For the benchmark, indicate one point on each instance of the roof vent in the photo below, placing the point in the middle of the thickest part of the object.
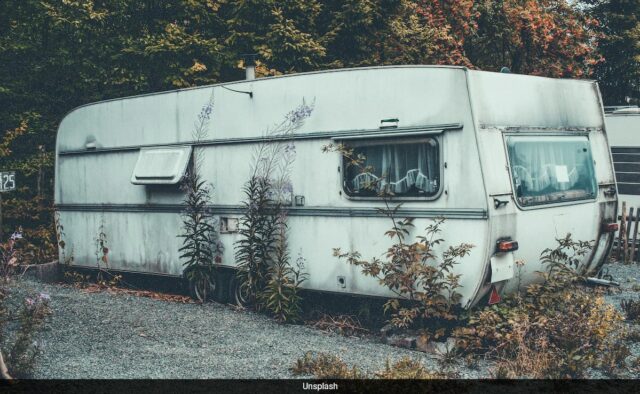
(250, 65)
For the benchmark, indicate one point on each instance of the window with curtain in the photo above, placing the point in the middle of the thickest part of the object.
(402, 168)
(551, 169)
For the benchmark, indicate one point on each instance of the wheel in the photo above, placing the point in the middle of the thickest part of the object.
(222, 287)
(238, 293)
(202, 289)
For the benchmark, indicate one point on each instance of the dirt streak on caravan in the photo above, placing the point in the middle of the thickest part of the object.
(500, 156)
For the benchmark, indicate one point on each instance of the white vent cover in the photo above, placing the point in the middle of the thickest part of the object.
(161, 166)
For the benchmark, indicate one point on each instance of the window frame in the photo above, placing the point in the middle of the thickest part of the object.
(548, 134)
(393, 141)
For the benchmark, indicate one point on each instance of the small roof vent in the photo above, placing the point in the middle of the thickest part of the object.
(161, 166)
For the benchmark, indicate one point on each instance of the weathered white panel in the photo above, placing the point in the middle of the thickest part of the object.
(521, 100)
(623, 129)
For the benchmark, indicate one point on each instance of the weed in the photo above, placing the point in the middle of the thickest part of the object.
(557, 329)
(22, 349)
(634, 336)
(346, 325)
(76, 279)
(449, 356)
(425, 285)
(631, 309)
(423, 282)
(325, 366)
(200, 243)
(265, 271)
(407, 368)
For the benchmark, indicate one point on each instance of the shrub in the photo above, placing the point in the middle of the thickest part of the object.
(9, 256)
(407, 368)
(21, 349)
(325, 366)
(424, 284)
(342, 324)
(557, 329)
(631, 309)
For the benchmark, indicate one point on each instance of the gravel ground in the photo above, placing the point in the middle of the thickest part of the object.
(103, 335)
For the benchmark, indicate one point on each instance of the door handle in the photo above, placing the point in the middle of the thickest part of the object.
(498, 203)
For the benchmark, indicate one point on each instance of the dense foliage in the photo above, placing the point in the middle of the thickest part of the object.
(58, 54)
(555, 329)
(619, 73)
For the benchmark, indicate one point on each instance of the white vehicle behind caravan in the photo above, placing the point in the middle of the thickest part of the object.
(623, 130)
(511, 162)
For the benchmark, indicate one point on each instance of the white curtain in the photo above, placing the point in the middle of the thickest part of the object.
(397, 168)
(541, 167)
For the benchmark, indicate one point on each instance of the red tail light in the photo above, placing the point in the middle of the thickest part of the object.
(506, 246)
(609, 227)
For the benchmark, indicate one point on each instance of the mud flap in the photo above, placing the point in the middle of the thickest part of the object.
(501, 267)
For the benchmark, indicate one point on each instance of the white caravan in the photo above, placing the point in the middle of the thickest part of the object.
(623, 130)
(502, 157)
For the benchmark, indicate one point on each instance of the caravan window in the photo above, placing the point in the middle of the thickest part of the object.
(551, 169)
(404, 168)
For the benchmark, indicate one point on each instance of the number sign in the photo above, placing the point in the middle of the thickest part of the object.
(7, 181)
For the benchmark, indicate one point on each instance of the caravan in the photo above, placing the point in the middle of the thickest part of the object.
(511, 162)
(623, 130)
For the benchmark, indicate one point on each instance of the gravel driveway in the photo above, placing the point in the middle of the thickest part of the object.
(104, 335)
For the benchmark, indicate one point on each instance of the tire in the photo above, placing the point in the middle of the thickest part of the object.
(221, 294)
(238, 294)
(202, 289)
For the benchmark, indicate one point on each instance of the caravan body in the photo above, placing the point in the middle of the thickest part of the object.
(499, 156)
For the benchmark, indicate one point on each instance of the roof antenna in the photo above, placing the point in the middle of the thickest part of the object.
(250, 65)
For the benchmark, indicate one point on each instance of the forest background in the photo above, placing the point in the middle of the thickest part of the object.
(58, 54)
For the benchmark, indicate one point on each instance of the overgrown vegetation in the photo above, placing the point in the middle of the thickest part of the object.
(423, 281)
(556, 329)
(18, 323)
(342, 324)
(631, 309)
(267, 278)
(327, 366)
(201, 247)
(408, 368)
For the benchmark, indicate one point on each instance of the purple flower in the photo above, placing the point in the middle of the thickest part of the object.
(300, 113)
(287, 187)
(205, 113)
(16, 235)
(29, 301)
(290, 149)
